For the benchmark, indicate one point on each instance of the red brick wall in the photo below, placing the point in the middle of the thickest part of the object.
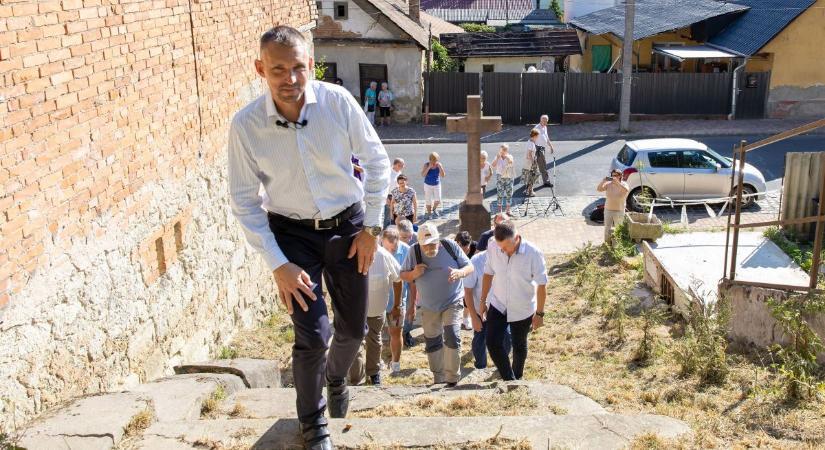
(102, 97)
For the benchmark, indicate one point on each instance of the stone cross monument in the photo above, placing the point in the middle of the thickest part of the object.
(473, 215)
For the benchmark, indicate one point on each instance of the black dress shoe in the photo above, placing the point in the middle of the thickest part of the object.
(408, 340)
(337, 400)
(316, 436)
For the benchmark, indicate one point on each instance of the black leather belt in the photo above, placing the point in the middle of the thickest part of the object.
(322, 224)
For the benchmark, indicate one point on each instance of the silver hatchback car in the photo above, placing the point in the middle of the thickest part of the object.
(680, 169)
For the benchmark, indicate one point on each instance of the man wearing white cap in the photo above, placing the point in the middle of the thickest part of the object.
(436, 266)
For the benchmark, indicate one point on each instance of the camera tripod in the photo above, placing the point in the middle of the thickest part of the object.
(554, 201)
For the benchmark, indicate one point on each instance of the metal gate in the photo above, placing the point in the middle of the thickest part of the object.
(448, 91)
(752, 97)
(500, 94)
(542, 93)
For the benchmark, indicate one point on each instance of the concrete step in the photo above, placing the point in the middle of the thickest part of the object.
(545, 399)
(596, 431)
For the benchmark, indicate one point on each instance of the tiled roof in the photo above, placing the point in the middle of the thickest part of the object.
(764, 20)
(478, 4)
(439, 26)
(655, 16)
(397, 13)
(545, 16)
(548, 42)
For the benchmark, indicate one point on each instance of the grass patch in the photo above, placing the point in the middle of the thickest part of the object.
(139, 422)
(517, 402)
(272, 341)
(574, 350)
(801, 254)
(210, 405)
(227, 353)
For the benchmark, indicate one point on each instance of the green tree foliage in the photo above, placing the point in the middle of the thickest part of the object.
(477, 28)
(556, 7)
(441, 60)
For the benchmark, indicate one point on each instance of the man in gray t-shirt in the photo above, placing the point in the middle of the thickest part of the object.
(436, 268)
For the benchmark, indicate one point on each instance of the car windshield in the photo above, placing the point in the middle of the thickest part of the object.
(626, 156)
(725, 162)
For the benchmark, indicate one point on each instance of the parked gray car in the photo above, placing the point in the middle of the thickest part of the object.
(681, 169)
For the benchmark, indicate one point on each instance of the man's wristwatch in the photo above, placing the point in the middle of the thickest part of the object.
(374, 231)
(540, 313)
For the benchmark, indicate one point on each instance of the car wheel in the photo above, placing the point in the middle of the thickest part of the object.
(748, 199)
(639, 198)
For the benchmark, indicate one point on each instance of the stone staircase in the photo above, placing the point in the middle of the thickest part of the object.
(239, 404)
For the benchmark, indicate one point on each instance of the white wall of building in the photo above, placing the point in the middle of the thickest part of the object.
(404, 71)
(508, 64)
(358, 21)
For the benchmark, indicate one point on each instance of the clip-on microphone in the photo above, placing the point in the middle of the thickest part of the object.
(296, 125)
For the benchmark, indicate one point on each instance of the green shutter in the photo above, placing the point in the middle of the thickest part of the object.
(602, 55)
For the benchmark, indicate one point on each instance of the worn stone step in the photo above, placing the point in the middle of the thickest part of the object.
(98, 422)
(597, 431)
(280, 403)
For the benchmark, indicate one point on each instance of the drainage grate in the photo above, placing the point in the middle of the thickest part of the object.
(667, 289)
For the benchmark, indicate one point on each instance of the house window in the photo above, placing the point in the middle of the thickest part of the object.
(319, 6)
(341, 10)
(488, 68)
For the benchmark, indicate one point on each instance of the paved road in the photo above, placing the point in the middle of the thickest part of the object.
(581, 164)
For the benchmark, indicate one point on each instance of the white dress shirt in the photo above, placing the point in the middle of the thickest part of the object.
(306, 173)
(473, 280)
(384, 271)
(515, 279)
(543, 139)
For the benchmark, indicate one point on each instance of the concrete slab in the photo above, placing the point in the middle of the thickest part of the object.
(90, 423)
(695, 261)
(600, 431)
(256, 373)
(180, 397)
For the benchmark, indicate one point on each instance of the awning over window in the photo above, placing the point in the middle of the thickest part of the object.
(682, 53)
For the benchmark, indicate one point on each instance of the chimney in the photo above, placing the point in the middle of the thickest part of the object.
(415, 10)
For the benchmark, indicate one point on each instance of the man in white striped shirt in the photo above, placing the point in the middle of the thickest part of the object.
(297, 140)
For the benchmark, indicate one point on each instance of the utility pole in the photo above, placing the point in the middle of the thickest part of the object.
(627, 66)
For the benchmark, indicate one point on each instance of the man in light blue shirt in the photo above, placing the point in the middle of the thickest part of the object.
(396, 310)
(437, 266)
(472, 290)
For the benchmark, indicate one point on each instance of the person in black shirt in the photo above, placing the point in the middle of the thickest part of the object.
(485, 237)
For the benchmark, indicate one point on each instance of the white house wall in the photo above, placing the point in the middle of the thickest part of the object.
(358, 21)
(509, 64)
(404, 70)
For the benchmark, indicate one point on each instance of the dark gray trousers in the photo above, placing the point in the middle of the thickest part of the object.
(324, 253)
(541, 161)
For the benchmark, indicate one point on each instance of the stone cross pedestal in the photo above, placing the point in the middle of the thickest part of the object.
(473, 215)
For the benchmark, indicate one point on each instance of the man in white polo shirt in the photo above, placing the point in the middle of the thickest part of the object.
(515, 279)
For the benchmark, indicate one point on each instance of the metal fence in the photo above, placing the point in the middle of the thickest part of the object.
(800, 190)
(448, 91)
(521, 98)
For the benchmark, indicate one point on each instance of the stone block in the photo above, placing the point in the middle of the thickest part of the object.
(474, 219)
(91, 423)
(255, 373)
(180, 397)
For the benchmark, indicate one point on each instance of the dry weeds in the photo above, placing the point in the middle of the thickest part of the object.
(139, 422)
(514, 403)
